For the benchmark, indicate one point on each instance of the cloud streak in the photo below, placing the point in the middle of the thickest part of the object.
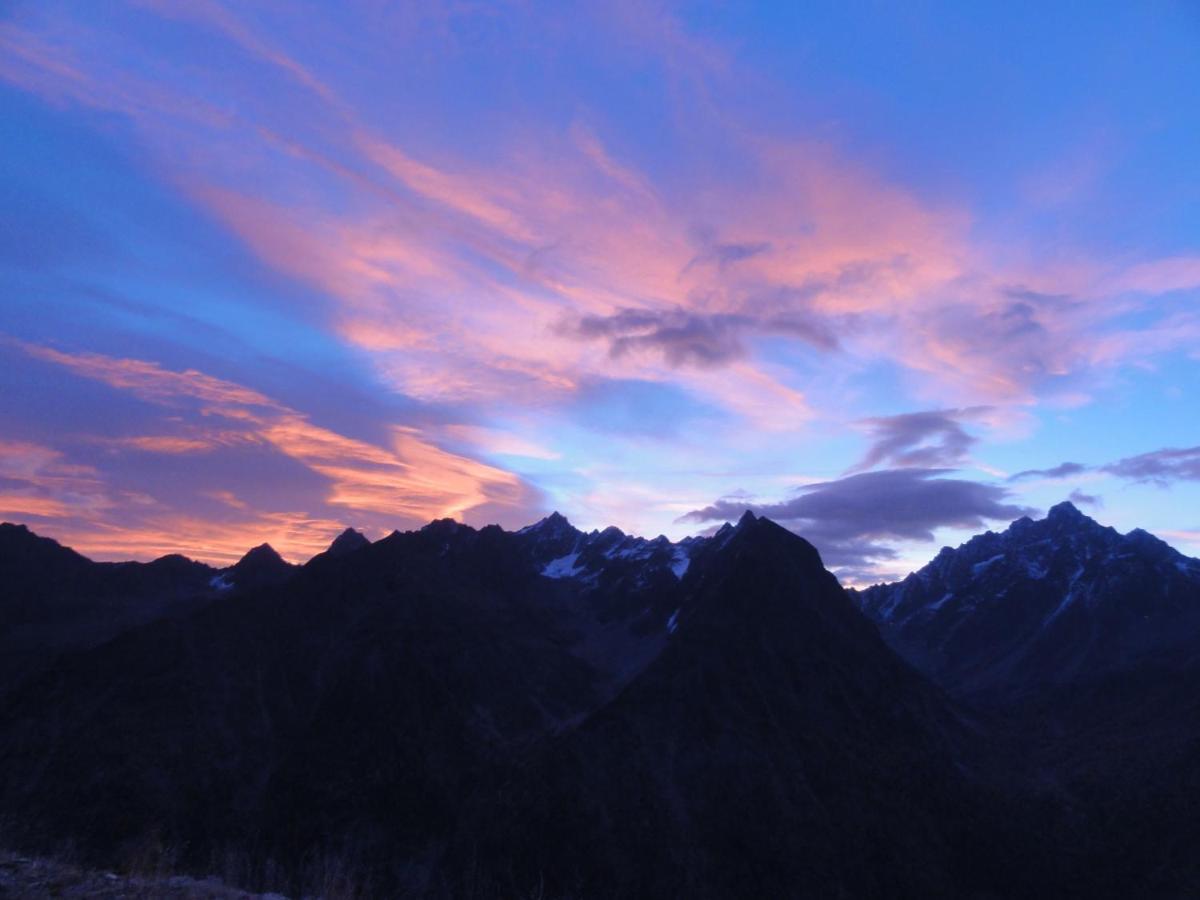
(1161, 467)
(1062, 470)
(635, 264)
(412, 480)
(850, 519)
(694, 339)
(920, 439)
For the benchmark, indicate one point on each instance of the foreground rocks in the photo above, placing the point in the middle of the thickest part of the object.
(24, 878)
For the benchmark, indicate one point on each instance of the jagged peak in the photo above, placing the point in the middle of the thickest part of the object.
(1066, 511)
(763, 532)
(263, 553)
(555, 523)
(446, 529)
(348, 541)
(1146, 542)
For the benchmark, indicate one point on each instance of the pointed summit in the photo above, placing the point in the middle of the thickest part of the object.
(1065, 512)
(768, 538)
(347, 542)
(261, 565)
(263, 554)
(555, 520)
(553, 524)
(1045, 602)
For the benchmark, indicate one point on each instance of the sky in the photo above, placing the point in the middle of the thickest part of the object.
(891, 274)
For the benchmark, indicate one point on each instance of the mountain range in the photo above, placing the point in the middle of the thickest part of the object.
(460, 712)
(1044, 602)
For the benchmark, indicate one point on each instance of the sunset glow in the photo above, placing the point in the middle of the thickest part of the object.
(271, 273)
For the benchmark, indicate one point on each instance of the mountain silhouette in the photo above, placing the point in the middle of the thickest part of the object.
(1045, 602)
(461, 712)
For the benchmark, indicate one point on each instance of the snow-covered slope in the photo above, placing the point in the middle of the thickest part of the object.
(1054, 600)
(562, 551)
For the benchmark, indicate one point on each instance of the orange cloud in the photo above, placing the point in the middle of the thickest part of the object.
(451, 273)
(20, 505)
(46, 485)
(297, 536)
(412, 480)
(149, 380)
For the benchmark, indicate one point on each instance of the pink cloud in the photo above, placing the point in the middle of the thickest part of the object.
(44, 484)
(412, 480)
(1160, 276)
(454, 273)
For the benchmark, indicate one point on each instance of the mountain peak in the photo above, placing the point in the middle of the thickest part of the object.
(261, 565)
(553, 524)
(1066, 512)
(263, 554)
(347, 542)
(764, 535)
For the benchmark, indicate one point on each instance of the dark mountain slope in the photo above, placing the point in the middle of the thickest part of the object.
(776, 747)
(1080, 648)
(260, 566)
(477, 713)
(54, 600)
(353, 705)
(1048, 602)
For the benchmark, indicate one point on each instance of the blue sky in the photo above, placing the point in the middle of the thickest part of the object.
(271, 269)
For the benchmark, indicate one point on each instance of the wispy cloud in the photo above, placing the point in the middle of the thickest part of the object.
(689, 225)
(1062, 470)
(921, 439)
(1161, 467)
(412, 479)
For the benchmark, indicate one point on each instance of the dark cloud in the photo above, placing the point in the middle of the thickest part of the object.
(1037, 298)
(1063, 470)
(703, 340)
(1078, 496)
(919, 439)
(1159, 466)
(849, 519)
(724, 255)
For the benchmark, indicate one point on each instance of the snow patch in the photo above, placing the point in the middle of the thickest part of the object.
(220, 582)
(1066, 600)
(888, 609)
(938, 604)
(563, 567)
(673, 622)
(1035, 570)
(979, 567)
(638, 550)
(680, 562)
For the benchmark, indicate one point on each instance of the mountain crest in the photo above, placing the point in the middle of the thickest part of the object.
(261, 565)
(347, 542)
(263, 554)
(1067, 512)
(1042, 602)
(552, 525)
